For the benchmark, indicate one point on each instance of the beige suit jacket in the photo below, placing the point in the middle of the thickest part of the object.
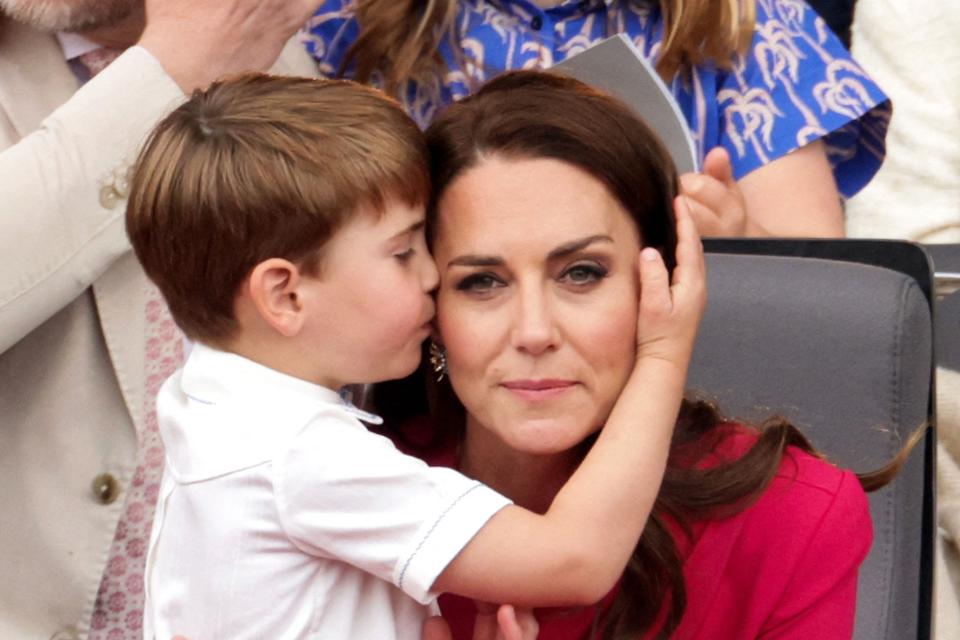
(72, 320)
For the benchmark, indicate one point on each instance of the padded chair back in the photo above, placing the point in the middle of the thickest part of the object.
(843, 350)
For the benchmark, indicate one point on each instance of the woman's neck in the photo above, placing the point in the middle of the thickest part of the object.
(531, 481)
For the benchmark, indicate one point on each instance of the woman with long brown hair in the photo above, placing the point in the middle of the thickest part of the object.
(784, 121)
(545, 192)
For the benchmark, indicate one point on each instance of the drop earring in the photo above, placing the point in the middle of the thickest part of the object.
(438, 360)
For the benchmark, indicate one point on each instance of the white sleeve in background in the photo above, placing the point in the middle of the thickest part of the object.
(60, 231)
(911, 50)
(345, 493)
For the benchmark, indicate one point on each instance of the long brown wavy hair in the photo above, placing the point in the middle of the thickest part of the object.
(400, 39)
(529, 114)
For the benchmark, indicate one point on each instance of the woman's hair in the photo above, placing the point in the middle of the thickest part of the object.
(530, 114)
(400, 39)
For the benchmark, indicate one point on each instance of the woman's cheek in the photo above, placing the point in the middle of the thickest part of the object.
(609, 340)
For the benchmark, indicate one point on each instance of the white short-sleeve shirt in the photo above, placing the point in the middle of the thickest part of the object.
(281, 516)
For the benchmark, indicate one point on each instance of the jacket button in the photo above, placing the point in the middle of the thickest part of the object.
(109, 196)
(105, 488)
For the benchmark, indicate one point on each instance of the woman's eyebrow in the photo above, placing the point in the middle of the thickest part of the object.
(475, 261)
(577, 245)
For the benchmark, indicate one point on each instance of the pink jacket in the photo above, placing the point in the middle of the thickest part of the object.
(786, 567)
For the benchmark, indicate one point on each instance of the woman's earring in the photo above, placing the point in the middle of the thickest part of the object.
(438, 360)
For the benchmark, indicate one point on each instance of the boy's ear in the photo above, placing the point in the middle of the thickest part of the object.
(273, 286)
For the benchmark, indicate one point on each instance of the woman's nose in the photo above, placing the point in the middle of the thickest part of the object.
(534, 329)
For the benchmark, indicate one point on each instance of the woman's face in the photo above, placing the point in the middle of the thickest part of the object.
(537, 304)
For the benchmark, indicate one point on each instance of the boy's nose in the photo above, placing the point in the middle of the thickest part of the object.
(429, 276)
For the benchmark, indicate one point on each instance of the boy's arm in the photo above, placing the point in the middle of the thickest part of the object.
(577, 550)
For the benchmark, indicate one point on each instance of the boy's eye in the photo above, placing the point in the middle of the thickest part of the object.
(404, 256)
(584, 273)
(480, 282)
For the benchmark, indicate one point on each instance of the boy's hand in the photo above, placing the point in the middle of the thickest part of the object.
(493, 623)
(716, 202)
(670, 312)
(504, 623)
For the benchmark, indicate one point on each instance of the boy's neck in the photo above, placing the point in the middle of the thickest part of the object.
(284, 356)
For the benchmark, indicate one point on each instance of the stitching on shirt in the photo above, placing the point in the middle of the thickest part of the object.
(413, 555)
(200, 400)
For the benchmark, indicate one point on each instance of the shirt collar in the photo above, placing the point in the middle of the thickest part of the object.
(222, 413)
(75, 45)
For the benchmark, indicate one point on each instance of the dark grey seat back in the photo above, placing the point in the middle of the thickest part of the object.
(843, 350)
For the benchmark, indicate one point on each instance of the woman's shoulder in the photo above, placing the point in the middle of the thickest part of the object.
(793, 554)
(805, 484)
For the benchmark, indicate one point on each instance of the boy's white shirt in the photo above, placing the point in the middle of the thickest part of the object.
(281, 516)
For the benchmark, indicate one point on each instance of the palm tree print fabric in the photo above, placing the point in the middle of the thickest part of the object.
(796, 84)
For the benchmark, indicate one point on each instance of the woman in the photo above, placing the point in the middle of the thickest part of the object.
(764, 80)
(544, 192)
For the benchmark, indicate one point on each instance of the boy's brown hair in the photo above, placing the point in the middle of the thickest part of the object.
(258, 167)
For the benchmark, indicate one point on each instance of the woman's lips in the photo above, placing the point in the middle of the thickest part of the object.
(538, 389)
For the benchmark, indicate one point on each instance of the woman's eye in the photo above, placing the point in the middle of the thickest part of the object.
(479, 282)
(580, 274)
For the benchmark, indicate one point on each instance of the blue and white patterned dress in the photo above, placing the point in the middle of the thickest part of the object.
(796, 84)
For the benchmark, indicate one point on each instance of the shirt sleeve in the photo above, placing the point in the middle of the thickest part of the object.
(819, 600)
(797, 84)
(345, 493)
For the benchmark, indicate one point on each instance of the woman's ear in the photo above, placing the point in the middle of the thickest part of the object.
(274, 290)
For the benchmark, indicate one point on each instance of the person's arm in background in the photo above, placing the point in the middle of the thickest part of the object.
(794, 195)
(793, 97)
(62, 187)
(768, 201)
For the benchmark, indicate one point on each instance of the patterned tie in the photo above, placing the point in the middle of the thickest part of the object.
(97, 60)
(118, 610)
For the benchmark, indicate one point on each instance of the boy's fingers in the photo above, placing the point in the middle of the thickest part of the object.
(654, 284)
(509, 626)
(689, 247)
(517, 624)
(688, 289)
(436, 628)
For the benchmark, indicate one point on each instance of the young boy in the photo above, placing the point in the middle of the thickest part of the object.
(282, 219)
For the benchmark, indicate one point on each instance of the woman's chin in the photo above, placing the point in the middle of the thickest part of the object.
(547, 436)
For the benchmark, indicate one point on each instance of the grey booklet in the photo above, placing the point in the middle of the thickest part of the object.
(616, 65)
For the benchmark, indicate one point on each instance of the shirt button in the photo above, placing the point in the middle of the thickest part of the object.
(536, 23)
(105, 488)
